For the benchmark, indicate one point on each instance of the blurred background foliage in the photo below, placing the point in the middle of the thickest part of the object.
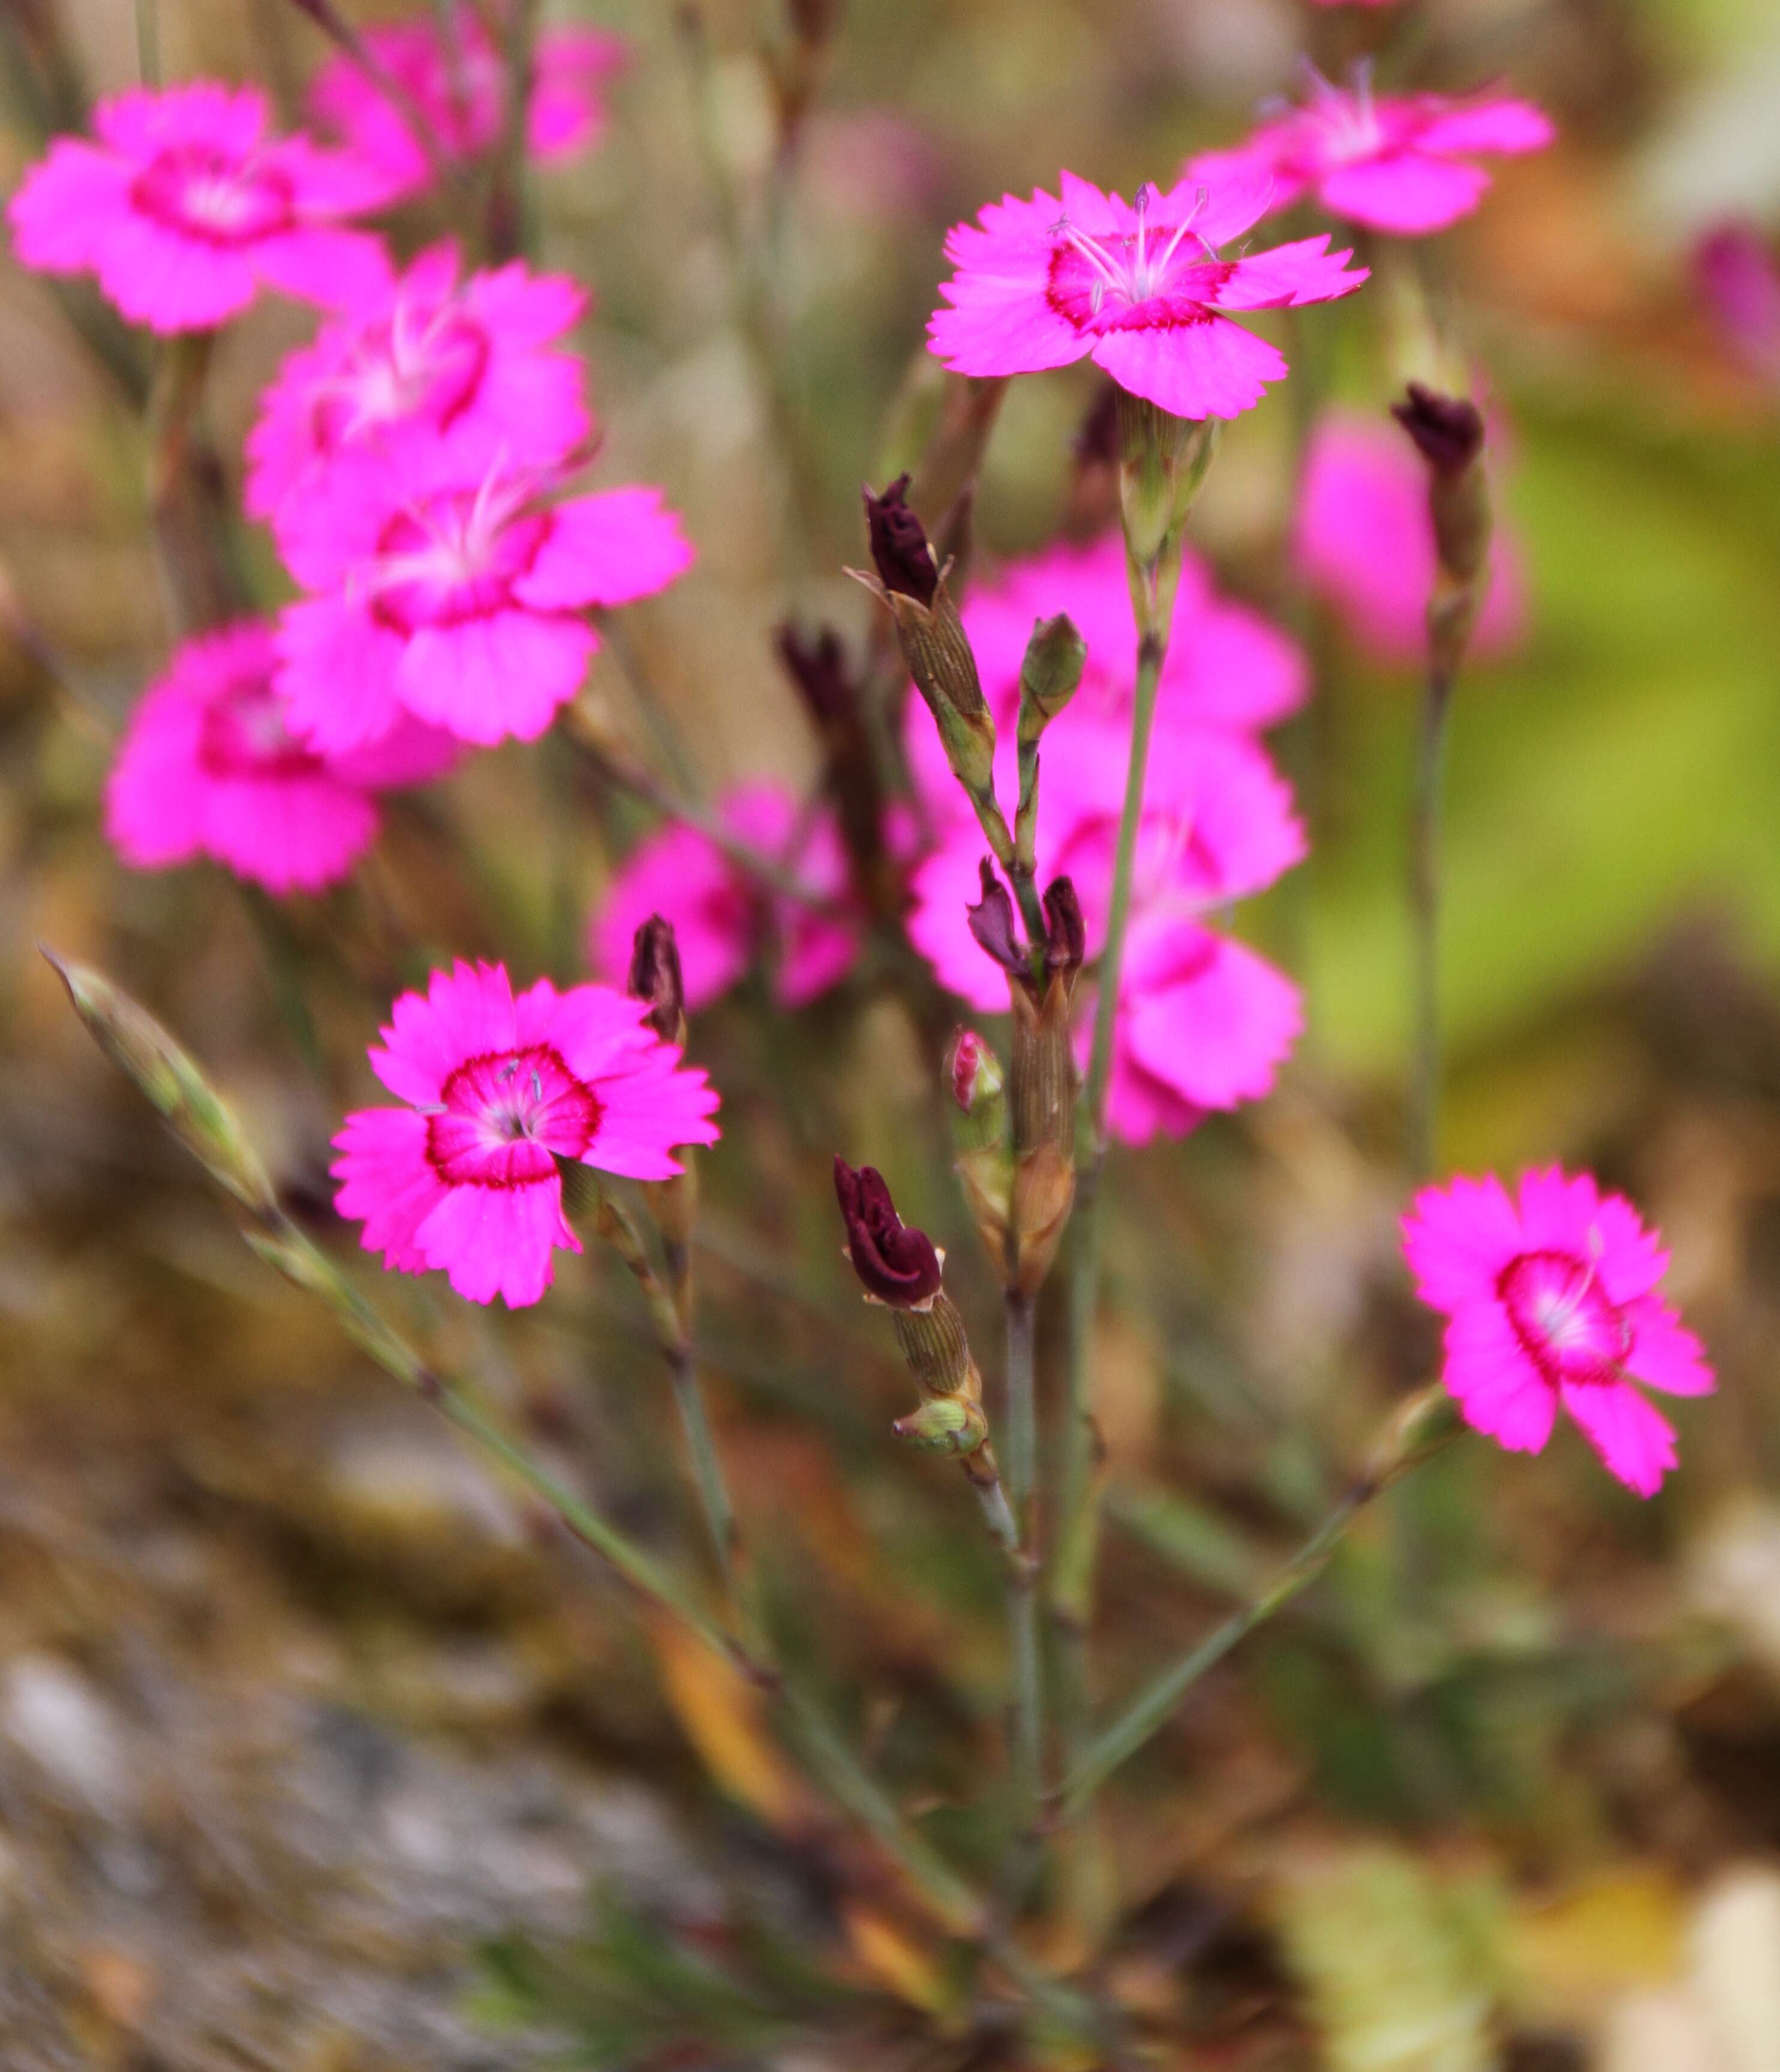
(298, 1710)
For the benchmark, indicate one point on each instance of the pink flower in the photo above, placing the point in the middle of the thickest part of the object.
(1140, 290)
(718, 915)
(1738, 278)
(1399, 164)
(463, 91)
(499, 1087)
(1203, 1022)
(425, 358)
(1552, 1300)
(184, 209)
(1364, 540)
(459, 599)
(208, 767)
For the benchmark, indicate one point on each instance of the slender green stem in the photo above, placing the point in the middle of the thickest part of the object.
(1421, 1426)
(1425, 918)
(1072, 1566)
(1020, 1442)
(701, 1446)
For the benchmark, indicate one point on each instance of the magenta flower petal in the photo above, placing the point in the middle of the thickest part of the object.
(184, 208)
(1041, 283)
(486, 679)
(386, 1182)
(1399, 164)
(610, 548)
(338, 675)
(1408, 195)
(1207, 1017)
(1634, 1441)
(1506, 126)
(466, 1180)
(456, 76)
(1665, 1353)
(211, 765)
(1499, 1391)
(1210, 367)
(1549, 1302)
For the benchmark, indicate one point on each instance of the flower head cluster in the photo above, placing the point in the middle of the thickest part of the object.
(1139, 287)
(1402, 164)
(1365, 540)
(183, 207)
(455, 78)
(720, 916)
(1204, 1022)
(1551, 1301)
(456, 594)
(498, 1088)
(476, 367)
(209, 767)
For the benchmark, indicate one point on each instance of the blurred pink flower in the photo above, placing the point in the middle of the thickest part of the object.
(469, 365)
(459, 81)
(718, 914)
(184, 209)
(208, 767)
(1139, 289)
(1739, 283)
(1204, 1021)
(1400, 163)
(465, 1179)
(1552, 1301)
(459, 599)
(1364, 540)
(1227, 666)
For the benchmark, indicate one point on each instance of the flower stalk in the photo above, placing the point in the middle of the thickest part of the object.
(1163, 465)
(1448, 432)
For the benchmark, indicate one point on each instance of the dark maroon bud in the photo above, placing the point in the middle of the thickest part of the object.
(655, 977)
(1065, 935)
(899, 544)
(1097, 440)
(816, 664)
(898, 1265)
(992, 923)
(1448, 430)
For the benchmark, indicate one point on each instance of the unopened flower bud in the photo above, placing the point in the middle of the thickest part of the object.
(899, 552)
(979, 1112)
(1448, 430)
(1050, 673)
(655, 978)
(186, 1103)
(944, 1425)
(896, 1265)
(1448, 433)
(1065, 932)
(935, 646)
(973, 1074)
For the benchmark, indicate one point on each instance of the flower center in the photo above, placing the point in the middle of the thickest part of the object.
(1161, 273)
(456, 556)
(242, 734)
(194, 189)
(504, 1119)
(1343, 122)
(1561, 1314)
(410, 367)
